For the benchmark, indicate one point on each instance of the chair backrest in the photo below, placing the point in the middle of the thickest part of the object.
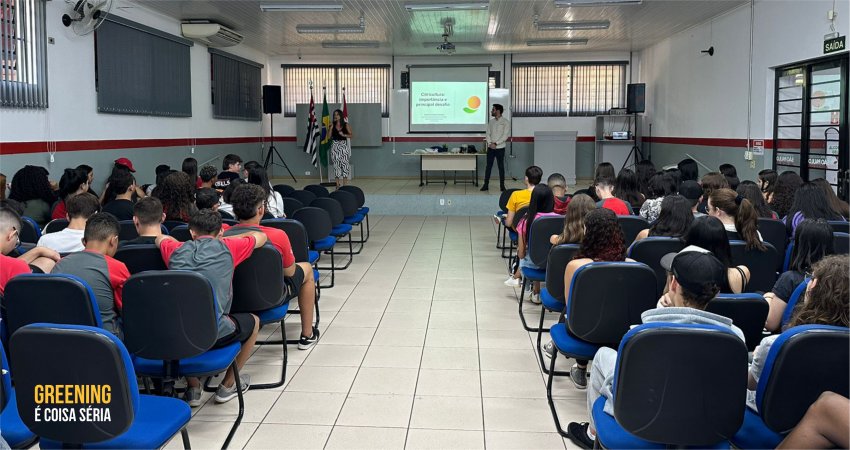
(504, 197)
(842, 243)
(181, 233)
(30, 231)
(316, 221)
(332, 207)
(762, 265)
(318, 190)
(5, 378)
(798, 294)
(49, 298)
(787, 259)
(86, 363)
(283, 189)
(559, 257)
(774, 231)
(169, 314)
(304, 197)
(606, 298)
(128, 230)
(662, 393)
(358, 194)
(171, 224)
(650, 250)
(747, 311)
(538, 240)
(347, 200)
(258, 282)
(631, 226)
(139, 258)
(232, 222)
(818, 354)
(56, 225)
(296, 233)
(840, 226)
(290, 205)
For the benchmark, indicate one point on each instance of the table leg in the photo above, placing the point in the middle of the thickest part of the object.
(421, 183)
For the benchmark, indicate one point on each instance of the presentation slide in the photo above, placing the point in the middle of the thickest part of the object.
(448, 103)
(449, 98)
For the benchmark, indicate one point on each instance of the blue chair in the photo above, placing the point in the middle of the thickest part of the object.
(170, 327)
(339, 228)
(30, 231)
(297, 235)
(789, 251)
(631, 226)
(818, 354)
(351, 214)
(501, 228)
(318, 190)
(662, 397)
(839, 226)
(762, 265)
(513, 237)
(774, 231)
(48, 354)
(55, 225)
(361, 206)
(283, 189)
(181, 233)
(12, 428)
(842, 243)
(650, 251)
(538, 252)
(305, 197)
(128, 230)
(290, 205)
(170, 224)
(552, 295)
(747, 311)
(139, 258)
(798, 294)
(317, 222)
(605, 299)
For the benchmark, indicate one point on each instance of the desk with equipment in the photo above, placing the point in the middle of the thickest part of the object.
(447, 161)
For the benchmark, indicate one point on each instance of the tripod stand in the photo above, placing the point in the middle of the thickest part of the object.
(273, 151)
(635, 152)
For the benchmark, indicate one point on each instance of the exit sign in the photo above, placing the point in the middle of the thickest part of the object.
(834, 45)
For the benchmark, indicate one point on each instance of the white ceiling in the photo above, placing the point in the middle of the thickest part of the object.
(503, 28)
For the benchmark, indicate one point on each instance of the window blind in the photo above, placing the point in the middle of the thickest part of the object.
(23, 54)
(236, 87)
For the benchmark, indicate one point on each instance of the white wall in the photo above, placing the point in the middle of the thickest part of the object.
(72, 112)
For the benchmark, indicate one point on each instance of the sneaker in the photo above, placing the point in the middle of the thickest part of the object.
(307, 342)
(502, 188)
(485, 188)
(535, 298)
(512, 282)
(497, 219)
(225, 394)
(192, 396)
(579, 376)
(549, 349)
(577, 432)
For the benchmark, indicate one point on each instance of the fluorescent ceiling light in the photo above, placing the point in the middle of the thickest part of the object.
(351, 44)
(329, 29)
(546, 42)
(568, 3)
(305, 7)
(574, 25)
(446, 6)
(456, 44)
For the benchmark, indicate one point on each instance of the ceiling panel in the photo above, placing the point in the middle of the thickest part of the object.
(504, 27)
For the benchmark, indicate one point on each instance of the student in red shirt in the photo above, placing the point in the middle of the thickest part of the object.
(215, 258)
(39, 259)
(96, 266)
(248, 202)
(605, 192)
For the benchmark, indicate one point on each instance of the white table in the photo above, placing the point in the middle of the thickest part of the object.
(447, 161)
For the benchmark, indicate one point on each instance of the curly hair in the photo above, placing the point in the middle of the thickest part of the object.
(827, 302)
(603, 237)
(783, 192)
(31, 183)
(177, 194)
(577, 210)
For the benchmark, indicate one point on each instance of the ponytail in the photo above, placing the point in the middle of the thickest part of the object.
(746, 221)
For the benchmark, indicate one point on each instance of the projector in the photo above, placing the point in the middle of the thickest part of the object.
(447, 48)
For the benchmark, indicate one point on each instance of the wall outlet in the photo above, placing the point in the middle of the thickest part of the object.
(752, 164)
(450, 202)
(307, 172)
(442, 202)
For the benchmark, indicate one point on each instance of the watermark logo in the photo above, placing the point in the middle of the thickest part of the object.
(72, 403)
(472, 103)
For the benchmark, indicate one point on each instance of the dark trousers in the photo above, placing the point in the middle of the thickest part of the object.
(499, 155)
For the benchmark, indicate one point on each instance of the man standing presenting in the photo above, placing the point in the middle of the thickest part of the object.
(498, 132)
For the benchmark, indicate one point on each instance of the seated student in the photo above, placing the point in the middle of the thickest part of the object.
(224, 204)
(708, 233)
(660, 185)
(207, 175)
(738, 215)
(810, 202)
(692, 192)
(813, 243)
(80, 208)
(731, 174)
(825, 425)
(97, 267)
(541, 204)
(710, 182)
(148, 218)
(231, 168)
(118, 197)
(215, 258)
(34, 191)
(605, 193)
(38, 260)
(750, 191)
(603, 170)
(826, 303)
(73, 182)
(696, 280)
(161, 171)
(249, 207)
(574, 220)
(519, 199)
(207, 198)
(627, 189)
(674, 220)
(558, 184)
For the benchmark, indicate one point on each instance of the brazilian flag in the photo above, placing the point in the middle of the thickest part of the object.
(325, 144)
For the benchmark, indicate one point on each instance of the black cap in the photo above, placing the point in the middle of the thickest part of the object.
(695, 268)
(690, 189)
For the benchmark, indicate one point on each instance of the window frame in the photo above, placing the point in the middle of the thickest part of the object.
(29, 87)
(256, 99)
(335, 92)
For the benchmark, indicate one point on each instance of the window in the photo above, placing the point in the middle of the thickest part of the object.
(562, 89)
(362, 84)
(494, 80)
(236, 87)
(141, 70)
(23, 54)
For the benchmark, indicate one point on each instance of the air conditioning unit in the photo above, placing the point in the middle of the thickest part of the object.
(210, 33)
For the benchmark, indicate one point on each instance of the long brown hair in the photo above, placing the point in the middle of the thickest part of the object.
(746, 217)
(603, 239)
(577, 209)
(826, 302)
(837, 205)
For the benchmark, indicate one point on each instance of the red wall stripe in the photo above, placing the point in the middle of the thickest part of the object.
(708, 142)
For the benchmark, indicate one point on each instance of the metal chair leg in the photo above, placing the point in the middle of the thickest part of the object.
(283, 343)
(522, 313)
(561, 431)
(184, 433)
(241, 406)
(546, 370)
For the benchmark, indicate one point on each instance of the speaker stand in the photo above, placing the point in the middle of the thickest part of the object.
(635, 154)
(273, 151)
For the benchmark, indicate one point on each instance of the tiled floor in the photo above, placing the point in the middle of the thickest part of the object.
(421, 348)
